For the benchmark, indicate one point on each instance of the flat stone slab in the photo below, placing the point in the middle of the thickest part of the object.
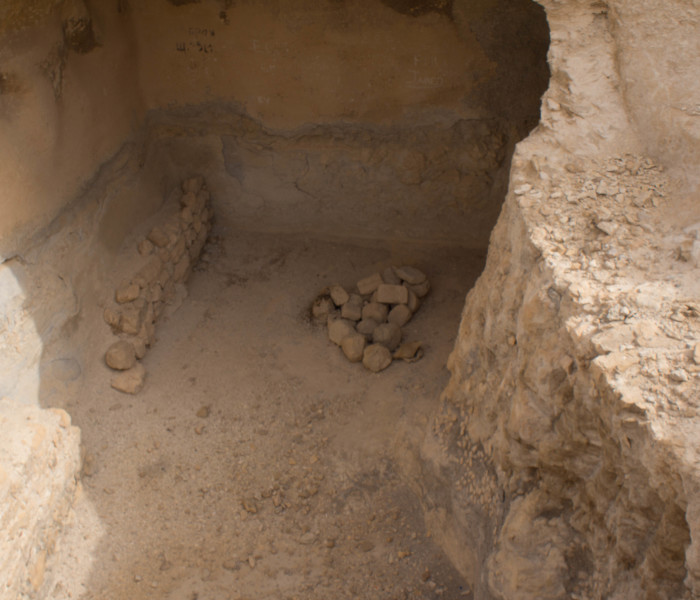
(392, 294)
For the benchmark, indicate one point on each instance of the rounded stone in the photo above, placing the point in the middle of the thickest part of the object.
(339, 329)
(353, 347)
(367, 326)
(400, 315)
(339, 295)
(388, 335)
(130, 381)
(376, 358)
(375, 311)
(120, 356)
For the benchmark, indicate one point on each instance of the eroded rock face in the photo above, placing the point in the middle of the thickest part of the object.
(567, 436)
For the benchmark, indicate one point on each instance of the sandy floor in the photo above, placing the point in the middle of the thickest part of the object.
(258, 462)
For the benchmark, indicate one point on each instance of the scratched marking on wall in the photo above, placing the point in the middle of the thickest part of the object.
(200, 41)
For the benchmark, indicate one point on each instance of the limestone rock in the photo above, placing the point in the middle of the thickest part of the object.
(409, 352)
(112, 318)
(139, 345)
(159, 237)
(392, 294)
(375, 311)
(127, 293)
(120, 356)
(376, 358)
(131, 381)
(353, 347)
(339, 295)
(400, 315)
(339, 329)
(387, 334)
(367, 326)
(352, 309)
(411, 275)
(369, 284)
(696, 354)
(413, 301)
(421, 290)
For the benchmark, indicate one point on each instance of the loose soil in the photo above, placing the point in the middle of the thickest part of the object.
(257, 462)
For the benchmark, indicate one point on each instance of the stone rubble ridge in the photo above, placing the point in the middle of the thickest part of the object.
(168, 254)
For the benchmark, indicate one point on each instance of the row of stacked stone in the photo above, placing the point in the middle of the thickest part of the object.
(367, 325)
(167, 256)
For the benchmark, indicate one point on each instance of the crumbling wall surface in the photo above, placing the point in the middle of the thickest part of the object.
(39, 460)
(568, 435)
(69, 99)
(349, 119)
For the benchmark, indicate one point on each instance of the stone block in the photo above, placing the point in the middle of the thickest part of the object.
(339, 329)
(369, 284)
(387, 334)
(392, 294)
(353, 347)
(400, 315)
(339, 295)
(128, 292)
(131, 381)
(120, 356)
(411, 275)
(376, 358)
(352, 309)
(375, 311)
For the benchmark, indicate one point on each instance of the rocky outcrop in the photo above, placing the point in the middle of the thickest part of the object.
(39, 463)
(567, 436)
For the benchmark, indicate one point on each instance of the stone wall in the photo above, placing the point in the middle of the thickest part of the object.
(567, 436)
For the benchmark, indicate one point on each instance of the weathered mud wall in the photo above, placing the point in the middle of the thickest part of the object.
(568, 434)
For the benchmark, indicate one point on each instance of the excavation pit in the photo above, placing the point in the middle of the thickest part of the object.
(543, 447)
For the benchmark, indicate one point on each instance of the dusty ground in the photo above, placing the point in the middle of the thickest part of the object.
(257, 462)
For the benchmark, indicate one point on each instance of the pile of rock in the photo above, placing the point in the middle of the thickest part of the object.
(166, 258)
(367, 324)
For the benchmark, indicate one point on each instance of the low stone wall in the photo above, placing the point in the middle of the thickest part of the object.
(166, 258)
(39, 463)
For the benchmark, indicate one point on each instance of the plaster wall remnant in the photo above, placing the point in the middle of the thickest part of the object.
(561, 461)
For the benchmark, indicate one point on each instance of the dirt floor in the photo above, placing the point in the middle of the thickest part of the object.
(258, 462)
